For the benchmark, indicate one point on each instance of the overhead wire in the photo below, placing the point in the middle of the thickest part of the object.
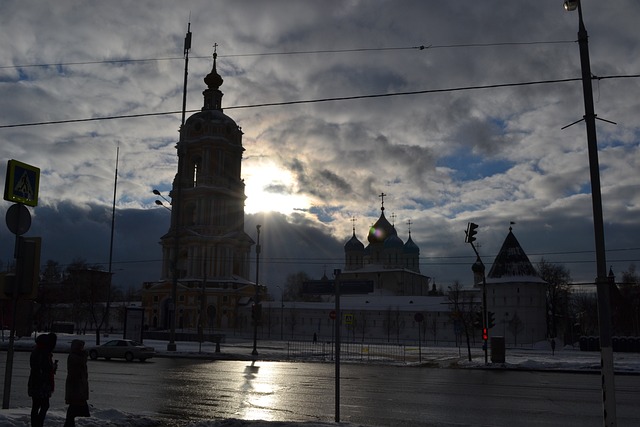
(331, 99)
(285, 53)
(320, 100)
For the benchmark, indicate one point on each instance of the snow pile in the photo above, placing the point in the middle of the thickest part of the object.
(112, 418)
(21, 417)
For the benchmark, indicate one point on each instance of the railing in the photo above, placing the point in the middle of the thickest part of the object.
(351, 351)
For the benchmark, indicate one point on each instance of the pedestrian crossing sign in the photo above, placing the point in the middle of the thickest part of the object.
(21, 185)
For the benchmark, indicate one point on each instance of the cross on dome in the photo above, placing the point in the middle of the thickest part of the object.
(382, 197)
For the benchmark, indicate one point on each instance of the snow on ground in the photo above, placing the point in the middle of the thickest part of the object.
(539, 357)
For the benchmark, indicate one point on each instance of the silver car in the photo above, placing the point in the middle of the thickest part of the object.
(127, 349)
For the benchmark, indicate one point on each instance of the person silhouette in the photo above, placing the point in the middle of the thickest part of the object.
(41, 377)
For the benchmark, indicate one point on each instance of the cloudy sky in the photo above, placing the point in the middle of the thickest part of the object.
(469, 129)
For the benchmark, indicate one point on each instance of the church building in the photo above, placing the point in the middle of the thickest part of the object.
(391, 264)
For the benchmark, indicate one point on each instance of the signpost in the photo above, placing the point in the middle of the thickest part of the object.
(21, 187)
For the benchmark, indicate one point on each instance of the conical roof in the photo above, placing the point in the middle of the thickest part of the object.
(512, 263)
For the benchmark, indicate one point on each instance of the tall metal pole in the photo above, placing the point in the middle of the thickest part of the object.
(602, 285)
(175, 211)
(257, 311)
(105, 319)
(337, 324)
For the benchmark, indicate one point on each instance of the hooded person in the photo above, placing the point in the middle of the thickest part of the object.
(41, 377)
(76, 391)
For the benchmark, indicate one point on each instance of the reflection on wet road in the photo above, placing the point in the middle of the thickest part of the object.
(181, 390)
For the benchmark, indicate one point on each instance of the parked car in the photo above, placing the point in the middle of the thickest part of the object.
(127, 349)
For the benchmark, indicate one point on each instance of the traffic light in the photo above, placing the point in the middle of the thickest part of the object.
(491, 319)
(485, 334)
(471, 232)
(256, 312)
(478, 320)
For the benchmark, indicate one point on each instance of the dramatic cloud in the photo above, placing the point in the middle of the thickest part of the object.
(443, 117)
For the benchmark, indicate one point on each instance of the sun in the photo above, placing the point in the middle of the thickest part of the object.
(271, 189)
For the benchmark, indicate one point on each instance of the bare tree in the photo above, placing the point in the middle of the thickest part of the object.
(361, 324)
(462, 311)
(630, 294)
(293, 288)
(584, 307)
(92, 287)
(558, 291)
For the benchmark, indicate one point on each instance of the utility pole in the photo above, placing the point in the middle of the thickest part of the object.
(602, 283)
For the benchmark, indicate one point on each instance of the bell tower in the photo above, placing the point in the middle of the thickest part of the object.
(208, 215)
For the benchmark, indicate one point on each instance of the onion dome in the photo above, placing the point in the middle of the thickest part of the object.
(211, 121)
(393, 242)
(213, 80)
(381, 230)
(354, 244)
(410, 247)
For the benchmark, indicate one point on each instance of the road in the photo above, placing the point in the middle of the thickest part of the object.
(182, 389)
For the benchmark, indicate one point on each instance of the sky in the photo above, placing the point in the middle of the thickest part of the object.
(454, 111)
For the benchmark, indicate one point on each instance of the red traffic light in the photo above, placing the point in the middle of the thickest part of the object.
(485, 334)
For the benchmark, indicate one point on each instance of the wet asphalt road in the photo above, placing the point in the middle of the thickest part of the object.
(176, 390)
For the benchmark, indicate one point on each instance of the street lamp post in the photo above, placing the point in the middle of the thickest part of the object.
(602, 284)
(257, 302)
(281, 313)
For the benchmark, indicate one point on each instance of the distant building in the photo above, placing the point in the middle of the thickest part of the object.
(391, 264)
(517, 295)
(207, 219)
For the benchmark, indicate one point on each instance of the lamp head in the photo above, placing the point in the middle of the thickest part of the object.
(571, 5)
(159, 203)
(156, 192)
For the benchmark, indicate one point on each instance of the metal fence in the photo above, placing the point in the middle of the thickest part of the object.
(350, 351)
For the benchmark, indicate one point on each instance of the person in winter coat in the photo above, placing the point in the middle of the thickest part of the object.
(41, 383)
(76, 391)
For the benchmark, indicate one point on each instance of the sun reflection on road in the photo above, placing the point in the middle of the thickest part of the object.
(260, 396)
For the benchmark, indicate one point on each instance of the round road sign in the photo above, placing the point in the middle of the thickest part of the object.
(18, 219)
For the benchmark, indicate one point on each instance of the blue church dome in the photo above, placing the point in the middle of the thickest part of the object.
(410, 247)
(353, 244)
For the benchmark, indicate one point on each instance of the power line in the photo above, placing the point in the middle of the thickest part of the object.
(427, 260)
(320, 100)
(299, 52)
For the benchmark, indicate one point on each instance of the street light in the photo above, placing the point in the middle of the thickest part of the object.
(160, 202)
(602, 285)
(281, 313)
(257, 310)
